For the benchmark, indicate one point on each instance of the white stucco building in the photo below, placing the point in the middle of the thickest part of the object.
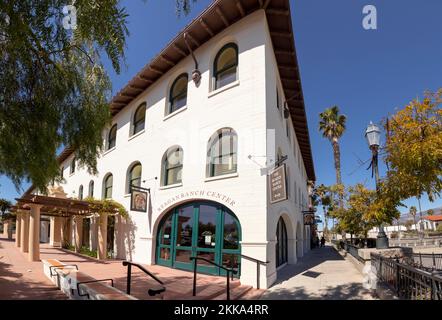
(205, 148)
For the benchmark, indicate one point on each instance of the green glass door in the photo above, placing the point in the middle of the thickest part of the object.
(202, 229)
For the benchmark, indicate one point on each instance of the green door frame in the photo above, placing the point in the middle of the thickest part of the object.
(218, 250)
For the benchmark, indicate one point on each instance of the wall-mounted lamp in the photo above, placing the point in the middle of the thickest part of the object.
(196, 74)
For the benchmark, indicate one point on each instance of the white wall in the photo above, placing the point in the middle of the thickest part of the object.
(248, 108)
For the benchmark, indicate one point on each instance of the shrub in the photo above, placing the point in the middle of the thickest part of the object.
(439, 227)
(394, 235)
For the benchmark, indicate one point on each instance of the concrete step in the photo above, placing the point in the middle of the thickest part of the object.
(235, 293)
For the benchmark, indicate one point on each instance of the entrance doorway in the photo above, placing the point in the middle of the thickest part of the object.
(281, 243)
(205, 229)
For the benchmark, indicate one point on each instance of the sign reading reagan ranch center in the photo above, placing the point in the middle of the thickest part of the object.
(203, 194)
(278, 184)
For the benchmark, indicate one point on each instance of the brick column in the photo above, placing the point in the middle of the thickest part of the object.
(18, 230)
(102, 237)
(78, 232)
(34, 233)
(24, 233)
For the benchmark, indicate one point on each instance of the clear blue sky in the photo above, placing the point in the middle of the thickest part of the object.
(366, 73)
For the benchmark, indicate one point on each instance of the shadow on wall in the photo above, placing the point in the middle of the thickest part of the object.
(125, 238)
(350, 291)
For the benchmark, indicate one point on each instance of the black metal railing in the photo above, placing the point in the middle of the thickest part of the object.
(151, 292)
(426, 261)
(228, 272)
(408, 282)
(258, 267)
(89, 281)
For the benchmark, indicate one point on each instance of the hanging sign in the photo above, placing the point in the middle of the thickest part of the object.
(138, 199)
(309, 218)
(278, 184)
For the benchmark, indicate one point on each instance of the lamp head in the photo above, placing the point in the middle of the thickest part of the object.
(373, 135)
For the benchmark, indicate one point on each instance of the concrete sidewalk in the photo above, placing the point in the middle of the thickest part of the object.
(321, 274)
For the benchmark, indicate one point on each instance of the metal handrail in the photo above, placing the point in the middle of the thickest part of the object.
(90, 281)
(215, 264)
(258, 267)
(60, 267)
(129, 276)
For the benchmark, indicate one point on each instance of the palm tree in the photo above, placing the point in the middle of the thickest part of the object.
(413, 212)
(324, 198)
(332, 126)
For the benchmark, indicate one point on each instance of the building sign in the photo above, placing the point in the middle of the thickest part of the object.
(197, 194)
(278, 184)
(309, 219)
(138, 200)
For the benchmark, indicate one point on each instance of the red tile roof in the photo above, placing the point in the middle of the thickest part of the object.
(434, 218)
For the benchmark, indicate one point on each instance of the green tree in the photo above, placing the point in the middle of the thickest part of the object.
(55, 91)
(430, 212)
(5, 206)
(332, 126)
(413, 212)
(321, 194)
(184, 6)
(413, 150)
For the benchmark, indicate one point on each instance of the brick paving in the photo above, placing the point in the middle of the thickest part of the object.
(21, 279)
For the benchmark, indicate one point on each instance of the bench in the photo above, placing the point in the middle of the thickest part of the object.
(51, 265)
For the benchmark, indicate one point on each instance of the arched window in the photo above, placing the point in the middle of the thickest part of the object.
(107, 186)
(139, 119)
(112, 137)
(80, 193)
(73, 165)
(134, 177)
(281, 243)
(222, 153)
(91, 189)
(172, 166)
(178, 93)
(225, 65)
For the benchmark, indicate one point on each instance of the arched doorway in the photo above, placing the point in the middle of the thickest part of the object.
(281, 243)
(203, 228)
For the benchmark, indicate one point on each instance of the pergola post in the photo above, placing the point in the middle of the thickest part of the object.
(6, 227)
(34, 233)
(18, 230)
(55, 233)
(102, 237)
(24, 233)
(78, 233)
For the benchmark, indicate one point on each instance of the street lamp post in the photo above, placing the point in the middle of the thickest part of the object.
(373, 134)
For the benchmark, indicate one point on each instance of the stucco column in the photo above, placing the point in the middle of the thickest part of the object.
(66, 231)
(34, 233)
(24, 233)
(18, 230)
(78, 232)
(55, 233)
(93, 233)
(102, 237)
(6, 227)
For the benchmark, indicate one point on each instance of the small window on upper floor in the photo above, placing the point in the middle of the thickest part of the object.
(225, 66)
(178, 93)
(133, 177)
(108, 186)
(222, 153)
(62, 171)
(139, 119)
(287, 125)
(80, 193)
(172, 166)
(112, 137)
(73, 163)
(278, 106)
(91, 189)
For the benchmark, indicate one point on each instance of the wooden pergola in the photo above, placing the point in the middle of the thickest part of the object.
(30, 207)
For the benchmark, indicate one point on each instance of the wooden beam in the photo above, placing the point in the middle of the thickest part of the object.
(156, 70)
(179, 50)
(164, 59)
(286, 52)
(206, 27)
(240, 8)
(278, 12)
(287, 67)
(143, 78)
(195, 42)
(136, 88)
(222, 16)
(266, 4)
(124, 94)
(281, 34)
(260, 3)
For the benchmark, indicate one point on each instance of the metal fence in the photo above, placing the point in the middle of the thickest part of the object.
(426, 261)
(407, 281)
